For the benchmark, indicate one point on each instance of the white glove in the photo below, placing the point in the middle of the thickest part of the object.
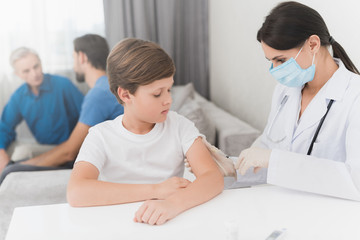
(253, 157)
(225, 164)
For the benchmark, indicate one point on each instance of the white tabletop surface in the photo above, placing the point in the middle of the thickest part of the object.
(253, 212)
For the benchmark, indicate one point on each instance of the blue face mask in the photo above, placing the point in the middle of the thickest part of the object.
(291, 74)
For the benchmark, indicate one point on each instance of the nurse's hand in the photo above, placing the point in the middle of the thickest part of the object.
(224, 163)
(253, 157)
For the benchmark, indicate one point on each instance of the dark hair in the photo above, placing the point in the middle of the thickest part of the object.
(290, 24)
(135, 62)
(95, 47)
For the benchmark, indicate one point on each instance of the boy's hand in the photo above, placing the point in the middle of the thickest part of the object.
(170, 186)
(156, 212)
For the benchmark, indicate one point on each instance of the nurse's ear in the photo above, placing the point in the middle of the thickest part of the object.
(314, 43)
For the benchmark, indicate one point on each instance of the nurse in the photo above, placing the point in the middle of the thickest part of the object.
(312, 139)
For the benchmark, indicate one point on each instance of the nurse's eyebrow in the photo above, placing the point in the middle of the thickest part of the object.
(274, 58)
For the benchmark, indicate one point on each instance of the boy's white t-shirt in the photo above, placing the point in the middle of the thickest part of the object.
(124, 157)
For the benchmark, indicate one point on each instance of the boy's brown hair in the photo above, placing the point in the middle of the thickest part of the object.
(135, 62)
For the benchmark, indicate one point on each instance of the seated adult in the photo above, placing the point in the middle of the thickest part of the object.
(49, 104)
(90, 55)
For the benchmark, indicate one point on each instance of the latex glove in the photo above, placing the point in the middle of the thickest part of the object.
(225, 164)
(187, 165)
(253, 157)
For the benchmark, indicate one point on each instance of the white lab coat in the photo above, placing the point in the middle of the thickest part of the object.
(333, 168)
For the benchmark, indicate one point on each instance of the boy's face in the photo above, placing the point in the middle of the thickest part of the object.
(151, 103)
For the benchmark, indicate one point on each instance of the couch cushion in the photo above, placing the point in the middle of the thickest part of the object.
(21, 189)
(192, 110)
(179, 95)
(233, 135)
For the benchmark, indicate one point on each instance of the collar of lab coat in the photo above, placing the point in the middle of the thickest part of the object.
(334, 88)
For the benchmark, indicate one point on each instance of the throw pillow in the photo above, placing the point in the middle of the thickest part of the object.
(192, 111)
(179, 94)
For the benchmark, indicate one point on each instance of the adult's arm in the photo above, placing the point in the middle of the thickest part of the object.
(4, 159)
(10, 118)
(65, 152)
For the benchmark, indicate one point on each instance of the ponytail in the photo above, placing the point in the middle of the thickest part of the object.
(339, 52)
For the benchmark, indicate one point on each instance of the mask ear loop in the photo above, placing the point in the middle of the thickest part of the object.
(313, 59)
(298, 52)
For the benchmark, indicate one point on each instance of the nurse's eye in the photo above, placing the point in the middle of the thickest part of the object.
(281, 60)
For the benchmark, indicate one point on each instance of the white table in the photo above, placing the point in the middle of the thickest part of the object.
(256, 211)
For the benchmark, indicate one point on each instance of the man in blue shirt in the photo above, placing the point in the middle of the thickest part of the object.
(90, 55)
(49, 104)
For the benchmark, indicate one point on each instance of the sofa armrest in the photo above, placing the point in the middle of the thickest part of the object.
(233, 135)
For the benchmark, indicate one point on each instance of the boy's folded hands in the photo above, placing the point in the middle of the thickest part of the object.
(161, 209)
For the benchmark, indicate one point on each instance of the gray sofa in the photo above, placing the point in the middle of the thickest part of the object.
(222, 129)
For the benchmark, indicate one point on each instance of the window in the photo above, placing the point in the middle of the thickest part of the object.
(48, 27)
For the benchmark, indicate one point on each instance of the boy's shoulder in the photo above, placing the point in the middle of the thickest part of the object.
(175, 115)
(176, 118)
(108, 125)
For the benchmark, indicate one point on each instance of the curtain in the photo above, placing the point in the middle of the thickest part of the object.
(180, 27)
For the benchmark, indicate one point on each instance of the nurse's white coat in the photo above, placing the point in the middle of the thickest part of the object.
(334, 165)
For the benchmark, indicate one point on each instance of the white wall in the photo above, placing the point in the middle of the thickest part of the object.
(239, 77)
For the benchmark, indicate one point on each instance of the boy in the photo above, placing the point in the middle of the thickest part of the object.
(139, 155)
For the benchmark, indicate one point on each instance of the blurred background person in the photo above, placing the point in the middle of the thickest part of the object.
(49, 104)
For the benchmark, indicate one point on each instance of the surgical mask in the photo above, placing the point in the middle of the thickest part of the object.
(291, 74)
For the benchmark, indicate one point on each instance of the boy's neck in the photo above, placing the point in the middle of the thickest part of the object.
(136, 126)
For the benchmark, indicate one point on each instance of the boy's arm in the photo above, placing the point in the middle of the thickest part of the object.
(65, 152)
(209, 183)
(84, 188)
